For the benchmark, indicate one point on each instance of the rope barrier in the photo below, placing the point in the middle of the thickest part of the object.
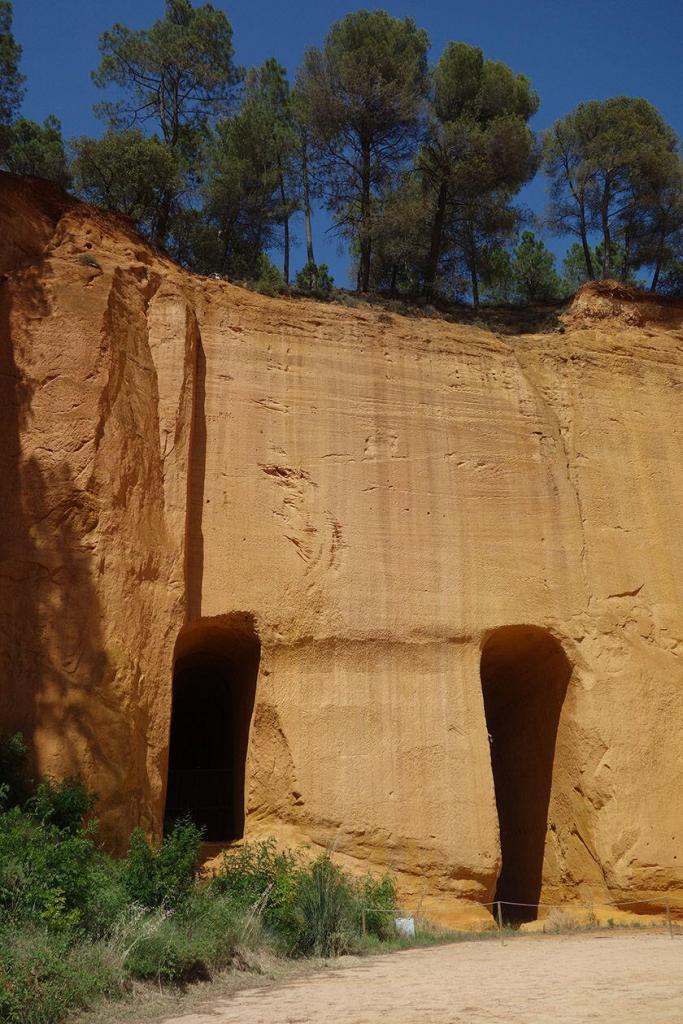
(586, 905)
(578, 903)
(556, 906)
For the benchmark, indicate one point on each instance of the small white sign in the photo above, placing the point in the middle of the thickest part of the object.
(405, 926)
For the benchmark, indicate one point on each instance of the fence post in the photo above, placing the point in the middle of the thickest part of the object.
(668, 917)
(500, 925)
(362, 916)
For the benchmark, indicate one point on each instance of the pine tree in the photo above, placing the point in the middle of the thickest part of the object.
(241, 196)
(11, 79)
(656, 221)
(268, 102)
(533, 271)
(598, 159)
(479, 153)
(363, 93)
(574, 271)
(306, 155)
(400, 226)
(178, 76)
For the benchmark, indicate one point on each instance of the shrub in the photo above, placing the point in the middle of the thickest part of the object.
(87, 260)
(43, 869)
(44, 974)
(309, 909)
(160, 955)
(77, 924)
(62, 804)
(270, 280)
(189, 944)
(315, 279)
(107, 898)
(378, 895)
(162, 877)
(559, 920)
(326, 909)
(263, 883)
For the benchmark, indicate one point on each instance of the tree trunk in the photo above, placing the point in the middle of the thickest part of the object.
(227, 231)
(365, 238)
(655, 276)
(285, 225)
(161, 230)
(171, 133)
(658, 264)
(584, 242)
(394, 275)
(474, 272)
(310, 258)
(606, 238)
(285, 268)
(475, 282)
(626, 260)
(436, 239)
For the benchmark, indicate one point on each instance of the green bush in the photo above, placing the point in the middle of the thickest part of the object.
(43, 868)
(163, 877)
(269, 280)
(326, 909)
(76, 925)
(44, 975)
(315, 279)
(263, 883)
(378, 896)
(309, 909)
(107, 899)
(190, 943)
(62, 804)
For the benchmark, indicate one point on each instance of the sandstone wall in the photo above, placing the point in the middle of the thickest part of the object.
(380, 493)
(97, 376)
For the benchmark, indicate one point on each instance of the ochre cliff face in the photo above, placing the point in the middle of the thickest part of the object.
(397, 510)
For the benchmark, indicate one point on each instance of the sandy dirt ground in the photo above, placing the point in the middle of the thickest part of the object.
(615, 979)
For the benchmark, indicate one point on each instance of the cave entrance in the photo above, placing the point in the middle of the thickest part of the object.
(214, 687)
(524, 677)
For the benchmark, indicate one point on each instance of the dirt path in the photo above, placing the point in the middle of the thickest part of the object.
(627, 979)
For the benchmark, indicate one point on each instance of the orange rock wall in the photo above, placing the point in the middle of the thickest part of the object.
(380, 493)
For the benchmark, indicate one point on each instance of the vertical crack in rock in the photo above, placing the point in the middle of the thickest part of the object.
(549, 418)
(196, 475)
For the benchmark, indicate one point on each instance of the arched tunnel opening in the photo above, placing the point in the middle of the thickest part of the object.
(214, 688)
(524, 678)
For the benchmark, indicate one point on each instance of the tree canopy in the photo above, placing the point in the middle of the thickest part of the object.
(478, 153)
(363, 92)
(614, 167)
(11, 79)
(177, 75)
(126, 171)
(38, 150)
(421, 167)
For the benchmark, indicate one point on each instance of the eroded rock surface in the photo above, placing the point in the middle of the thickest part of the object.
(374, 496)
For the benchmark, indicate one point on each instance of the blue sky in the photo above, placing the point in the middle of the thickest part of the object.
(570, 51)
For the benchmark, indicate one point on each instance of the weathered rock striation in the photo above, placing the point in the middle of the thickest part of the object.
(425, 578)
